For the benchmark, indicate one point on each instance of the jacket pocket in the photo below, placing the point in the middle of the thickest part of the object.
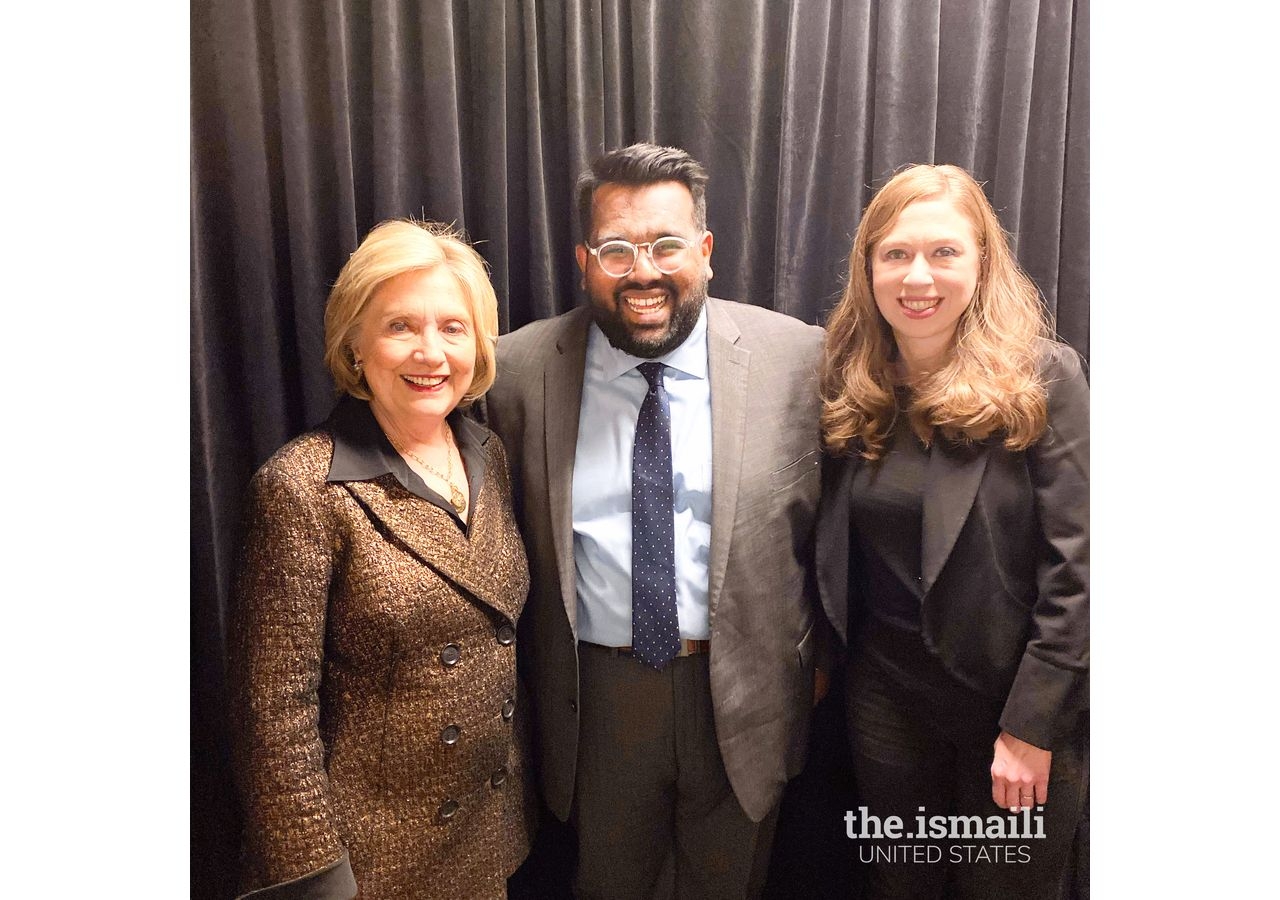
(806, 466)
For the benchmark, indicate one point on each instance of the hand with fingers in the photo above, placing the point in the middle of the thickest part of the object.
(1019, 773)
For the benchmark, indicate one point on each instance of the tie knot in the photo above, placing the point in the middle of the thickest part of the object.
(652, 371)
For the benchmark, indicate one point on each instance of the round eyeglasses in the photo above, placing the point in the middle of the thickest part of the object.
(669, 255)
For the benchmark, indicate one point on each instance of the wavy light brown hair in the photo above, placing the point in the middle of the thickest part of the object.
(393, 248)
(991, 382)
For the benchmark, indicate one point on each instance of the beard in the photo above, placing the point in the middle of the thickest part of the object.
(650, 344)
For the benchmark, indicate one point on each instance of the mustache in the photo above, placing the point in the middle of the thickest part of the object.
(661, 283)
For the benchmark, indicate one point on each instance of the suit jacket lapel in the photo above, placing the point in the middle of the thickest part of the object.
(727, 367)
(562, 401)
(951, 484)
(432, 536)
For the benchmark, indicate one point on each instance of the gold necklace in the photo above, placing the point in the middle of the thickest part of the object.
(456, 496)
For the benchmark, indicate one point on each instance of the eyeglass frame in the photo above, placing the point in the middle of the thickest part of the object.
(648, 249)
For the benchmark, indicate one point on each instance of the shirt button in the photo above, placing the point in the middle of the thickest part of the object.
(448, 809)
(499, 776)
(508, 708)
(573, 704)
(450, 654)
(451, 734)
(506, 635)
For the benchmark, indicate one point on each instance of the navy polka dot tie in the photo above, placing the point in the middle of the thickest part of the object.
(655, 629)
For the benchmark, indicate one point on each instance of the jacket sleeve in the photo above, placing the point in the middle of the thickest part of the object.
(291, 848)
(1050, 692)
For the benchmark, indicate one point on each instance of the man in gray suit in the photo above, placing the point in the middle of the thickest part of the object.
(665, 454)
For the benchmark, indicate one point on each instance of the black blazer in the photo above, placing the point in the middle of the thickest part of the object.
(1004, 563)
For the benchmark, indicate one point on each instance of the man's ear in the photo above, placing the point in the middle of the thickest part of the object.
(580, 251)
(704, 247)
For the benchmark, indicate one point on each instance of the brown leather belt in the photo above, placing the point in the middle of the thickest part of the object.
(688, 647)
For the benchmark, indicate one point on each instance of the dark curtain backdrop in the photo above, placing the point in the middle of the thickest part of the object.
(312, 121)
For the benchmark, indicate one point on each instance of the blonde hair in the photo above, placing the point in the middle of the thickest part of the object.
(991, 382)
(393, 248)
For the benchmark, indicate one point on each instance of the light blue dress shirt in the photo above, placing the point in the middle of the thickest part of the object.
(612, 391)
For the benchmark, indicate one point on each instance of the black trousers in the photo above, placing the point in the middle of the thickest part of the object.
(654, 811)
(928, 754)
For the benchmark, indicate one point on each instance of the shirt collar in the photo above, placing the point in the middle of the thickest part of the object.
(690, 357)
(361, 452)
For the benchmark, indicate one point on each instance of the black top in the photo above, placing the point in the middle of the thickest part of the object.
(887, 511)
(361, 452)
(887, 521)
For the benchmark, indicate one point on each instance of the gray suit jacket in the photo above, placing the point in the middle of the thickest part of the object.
(766, 462)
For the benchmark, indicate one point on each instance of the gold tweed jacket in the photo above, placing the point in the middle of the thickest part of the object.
(373, 685)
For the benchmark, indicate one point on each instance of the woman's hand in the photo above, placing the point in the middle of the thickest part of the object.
(1019, 773)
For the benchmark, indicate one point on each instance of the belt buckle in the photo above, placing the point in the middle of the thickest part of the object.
(691, 647)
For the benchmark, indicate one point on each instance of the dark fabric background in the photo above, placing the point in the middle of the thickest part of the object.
(312, 121)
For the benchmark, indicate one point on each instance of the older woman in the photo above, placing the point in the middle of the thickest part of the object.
(373, 643)
(953, 547)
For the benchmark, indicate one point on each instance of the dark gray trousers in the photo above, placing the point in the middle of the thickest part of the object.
(910, 753)
(655, 815)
